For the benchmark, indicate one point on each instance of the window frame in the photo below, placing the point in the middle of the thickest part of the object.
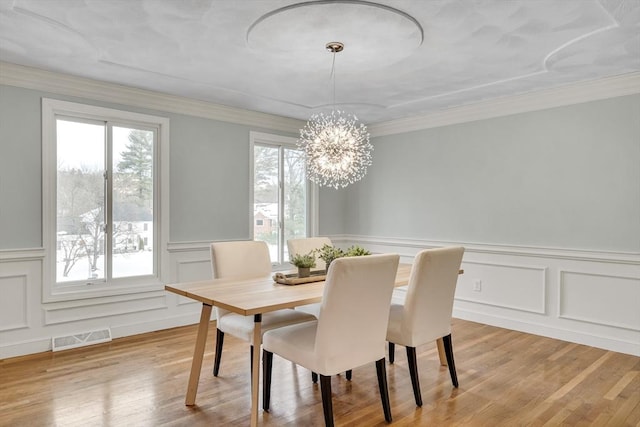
(261, 138)
(52, 290)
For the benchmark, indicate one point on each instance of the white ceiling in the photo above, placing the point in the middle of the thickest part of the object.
(402, 57)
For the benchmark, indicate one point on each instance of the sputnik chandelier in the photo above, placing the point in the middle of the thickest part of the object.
(336, 146)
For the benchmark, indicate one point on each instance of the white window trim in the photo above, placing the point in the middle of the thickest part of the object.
(312, 200)
(52, 293)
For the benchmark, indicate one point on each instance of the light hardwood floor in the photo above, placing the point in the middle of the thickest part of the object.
(506, 378)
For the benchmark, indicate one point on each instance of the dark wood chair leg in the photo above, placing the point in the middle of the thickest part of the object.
(384, 389)
(448, 351)
(251, 360)
(349, 372)
(392, 353)
(219, 342)
(267, 364)
(327, 405)
(413, 373)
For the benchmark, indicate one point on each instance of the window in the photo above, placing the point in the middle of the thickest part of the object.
(102, 197)
(281, 194)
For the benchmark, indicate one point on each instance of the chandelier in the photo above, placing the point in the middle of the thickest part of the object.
(336, 147)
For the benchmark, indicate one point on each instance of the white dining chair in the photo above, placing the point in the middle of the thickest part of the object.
(245, 259)
(425, 315)
(350, 330)
(304, 246)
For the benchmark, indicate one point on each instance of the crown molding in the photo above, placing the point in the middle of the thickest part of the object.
(64, 84)
(610, 87)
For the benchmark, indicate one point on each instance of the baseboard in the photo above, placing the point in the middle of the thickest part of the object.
(43, 344)
(21, 348)
(578, 337)
(156, 325)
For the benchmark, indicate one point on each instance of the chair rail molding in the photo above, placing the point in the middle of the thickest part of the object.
(632, 258)
(189, 246)
(25, 254)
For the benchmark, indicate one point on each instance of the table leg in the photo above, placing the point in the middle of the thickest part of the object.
(255, 362)
(441, 353)
(198, 354)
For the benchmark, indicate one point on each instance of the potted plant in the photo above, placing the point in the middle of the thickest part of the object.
(304, 263)
(328, 253)
(356, 250)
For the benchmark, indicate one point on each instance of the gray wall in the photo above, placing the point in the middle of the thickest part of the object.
(209, 173)
(332, 211)
(565, 177)
(209, 180)
(20, 169)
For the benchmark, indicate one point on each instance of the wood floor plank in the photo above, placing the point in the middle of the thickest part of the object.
(580, 377)
(507, 378)
(620, 385)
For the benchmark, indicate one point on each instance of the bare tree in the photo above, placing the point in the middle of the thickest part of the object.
(73, 249)
(80, 206)
(295, 200)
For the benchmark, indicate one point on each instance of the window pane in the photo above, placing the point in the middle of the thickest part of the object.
(80, 201)
(132, 202)
(295, 196)
(265, 197)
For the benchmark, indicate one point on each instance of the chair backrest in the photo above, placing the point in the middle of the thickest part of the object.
(240, 258)
(306, 245)
(354, 313)
(249, 258)
(429, 301)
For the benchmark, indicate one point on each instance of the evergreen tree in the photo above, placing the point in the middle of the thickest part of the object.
(136, 165)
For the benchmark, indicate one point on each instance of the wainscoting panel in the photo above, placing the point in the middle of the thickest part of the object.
(602, 299)
(586, 297)
(13, 304)
(191, 265)
(193, 270)
(100, 308)
(20, 278)
(516, 287)
(27, 324)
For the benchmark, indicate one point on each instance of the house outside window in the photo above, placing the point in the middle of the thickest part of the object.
(102, 199)
(284, 202)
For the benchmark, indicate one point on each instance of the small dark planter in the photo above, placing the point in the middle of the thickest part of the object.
(304, 271)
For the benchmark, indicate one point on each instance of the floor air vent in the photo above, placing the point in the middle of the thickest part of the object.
(80, 340)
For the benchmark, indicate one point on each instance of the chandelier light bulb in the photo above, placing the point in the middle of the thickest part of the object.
(336, 148)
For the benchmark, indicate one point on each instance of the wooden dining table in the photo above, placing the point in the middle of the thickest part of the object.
(251, 296)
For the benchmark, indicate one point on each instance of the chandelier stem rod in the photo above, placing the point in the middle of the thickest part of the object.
(333, 77)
